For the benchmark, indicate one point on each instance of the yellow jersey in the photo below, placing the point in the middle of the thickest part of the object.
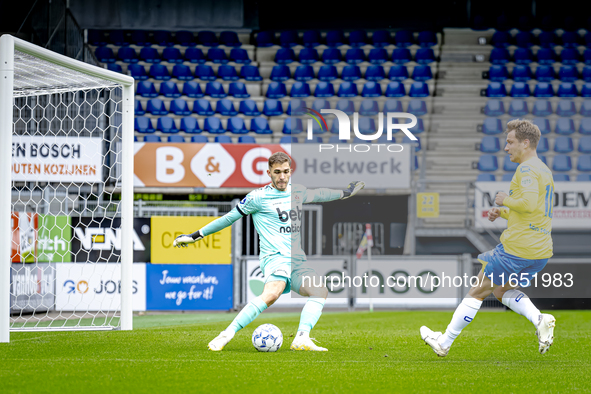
(529, 211)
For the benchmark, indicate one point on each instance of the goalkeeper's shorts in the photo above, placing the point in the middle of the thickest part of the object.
(503, 267)
(289, 270)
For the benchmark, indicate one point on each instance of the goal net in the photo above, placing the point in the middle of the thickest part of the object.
(66, 197)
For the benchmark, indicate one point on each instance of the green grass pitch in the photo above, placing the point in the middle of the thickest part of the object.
(368, 352)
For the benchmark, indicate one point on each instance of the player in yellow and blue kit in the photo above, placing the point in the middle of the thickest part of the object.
(526, 244)
(276, 210)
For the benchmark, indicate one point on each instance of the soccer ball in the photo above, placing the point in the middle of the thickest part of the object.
(267, 338)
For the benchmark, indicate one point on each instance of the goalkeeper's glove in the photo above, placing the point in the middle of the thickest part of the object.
(184, 240)
(352, 189)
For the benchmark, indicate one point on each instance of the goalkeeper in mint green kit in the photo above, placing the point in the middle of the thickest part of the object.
(276, 210)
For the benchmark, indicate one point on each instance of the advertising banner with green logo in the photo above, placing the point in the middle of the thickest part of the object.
(54, 236)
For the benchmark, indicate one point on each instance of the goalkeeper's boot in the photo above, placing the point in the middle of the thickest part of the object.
(545, 332)
(302, 341)
(221, 340)
(432, 339)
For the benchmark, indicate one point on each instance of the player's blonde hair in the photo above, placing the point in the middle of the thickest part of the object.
(525, 130)
(279, 158)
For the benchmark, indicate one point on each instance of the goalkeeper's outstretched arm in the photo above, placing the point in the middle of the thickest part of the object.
(219, 224)
(324, 195)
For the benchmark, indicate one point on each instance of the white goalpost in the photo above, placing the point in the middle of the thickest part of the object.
(66, 193)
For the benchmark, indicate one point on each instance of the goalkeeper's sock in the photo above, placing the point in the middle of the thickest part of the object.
(247, 314)
(310, 314)
(463, 315)
(518, 302)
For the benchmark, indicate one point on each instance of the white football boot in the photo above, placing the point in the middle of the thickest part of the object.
(545, 332)
(221, 340)
(302, 341)
(431, 339)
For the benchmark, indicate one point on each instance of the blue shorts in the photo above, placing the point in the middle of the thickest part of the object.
(291, 271)
(502, 267)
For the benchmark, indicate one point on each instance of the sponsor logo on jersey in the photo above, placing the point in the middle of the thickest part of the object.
(523, 169)
(294, 215)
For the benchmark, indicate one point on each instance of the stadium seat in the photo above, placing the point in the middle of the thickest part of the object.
(195, 55)
(97, 37)
(143, 124)
(501, 39)
(416, 107)
(563, 145)
(150, 55)
(296, 107)
(138, 72)
(246, 139)
(159, 72)
(225, 107)
(564, 126)
(375, 73)
(357, 38)
(523, 56)
(371, 89)
(568, 74)
(265, 39)
(490, 144)
(404, 38)
(586, 90)
(418, 89)
(561, 178)
(351, 73)
(569, 56)
(213, 125)
(182, 72)
(249, 108)
(152, 138)
(417, 143)
(314, 140)
(189, 125)
(203, 107)
(508, 177)
(418, 128)
(117, 38)
(327, 73)
(427, 39)
(324, 89)
(300, 89)
(584, 178)
(285, 56)
(205, 72)
(138, 110)
(335, 38)
(488, 163)
(320, 104)
(276, 90)
(547, 39)
(163, 38)
(545, 73)
(308, 56)
(587, 56)
(585, 108)
(543, 145)
(366, 125)
(303, 73)
(192, 89)
(172, 55)
(567, 89)
(377, 56)
(215, 90)
(127, 55)
(494, 108)
(334, 128)
(207, 38)
(236, 126)
(542, 108)
(166, 125)
(280, 73)
(200, 139)
(289, 38)
(583, 163)
(238, 90)
(422, 73)
(543, 124)
(229, 39)
(180, 107)
(486, 178)
(260, 126)
(334, 139)
(586, 74)
(498, 73)
(524, 39)
(292, 126)
(570, 39)
(346, 106)
(156, 106)
(521, 73)
(354, 56)
(175, 139)
(492, 126)
(508, 165)
(105, 55)
(563, 163)
(499, 56)
(585, 144)
(369, 108)
(395, 89)
(566, 108)
(217, 55)
(543, 89)
(239, 55)
(347, 89)
(520, 89)
(401, 56)
(546, 56)
(250, 73)
(185, 38)
(496, 89)
(272, 108)
(146, 89)
(311, 38)
(381, 38)
(585, 126)
(288, 140)
(518, 108)
(331, 56)
(398, 73)
(227, 73)
(223, 139)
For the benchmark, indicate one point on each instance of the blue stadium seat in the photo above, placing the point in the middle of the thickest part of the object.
(249, 108)
(508, 165)
(143, 124)
(524, 39)
(175, 139)
(561, 178)
(335, 38)
(105, 55)
(586, 90)
(381, 38)
(543, 145)
(418, 128)
(395, 89)
(138, 72)
(159, 72)
(570, 39)
(289, 38)
(586, 74)
(488, 163)
(563, 163)
(292, 126)
(320, 104)
(583, 163)
(296, 107)
(520, 89)
(227, 73)
(189, 125)
(568, 74)
(401, 55)
(163, 38)
(195, 55)
(324, 89)
(427, 39)
(542, 108)
(180, 107)
(150, 55)
(238, 90)
(418, 89)
(584, 178)
(404, 38)
(223, 139)
(347, 89)
(486, 178)
(422, 73)
(566, 108)
(398, 73)
(276, 90)
(545, 73)
(518, 108)
(377, 56)
(192, 89)
(311, 38)
(156, 106)
(246, 139)
(327, 73)
(492, 126)
(207, 38)
(146, 89)
(371, 89)
(127, 55)
(213, 125)
(138, 110)
(585, 144)
(285, 56)
(185, 38)
(494, 108)
(203, 107)
(496, 89)
(217, 55)
(508, 177)
(498, 73)
(563, 145)
(236, 126)
(215, 90)
(250, 73)
(314, 140)
(97, 37)
(182, 72)
(265, 39)
(334, 128)
(280, 73)
(300, 89)
(225, 107)
(351, 73)
(354, 56)
(309, 56)
(585, 108)
(499, 56)
(200, 139)
(375, 73)
(587, 56)
(152, 138)
(543, 124)
(543, 89)
(564, 126)
(288, 140)
(569, 56)
(367, 125)
(229, 39)
(567, 89)
(369, 108)
(521, 73)
(117, 37)
(523, 56)
(501, 39)
(543, 159)
(166, 125)
(334, 139)
(239, 55)
(490, 144)
(272, 108)
(546, 56)
(260, 126)
(205, 72)
(346, 106)
(303, 73)
(417, 107)
(172, 55)
(357, 38)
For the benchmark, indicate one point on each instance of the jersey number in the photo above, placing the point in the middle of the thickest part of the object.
(549, 201)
